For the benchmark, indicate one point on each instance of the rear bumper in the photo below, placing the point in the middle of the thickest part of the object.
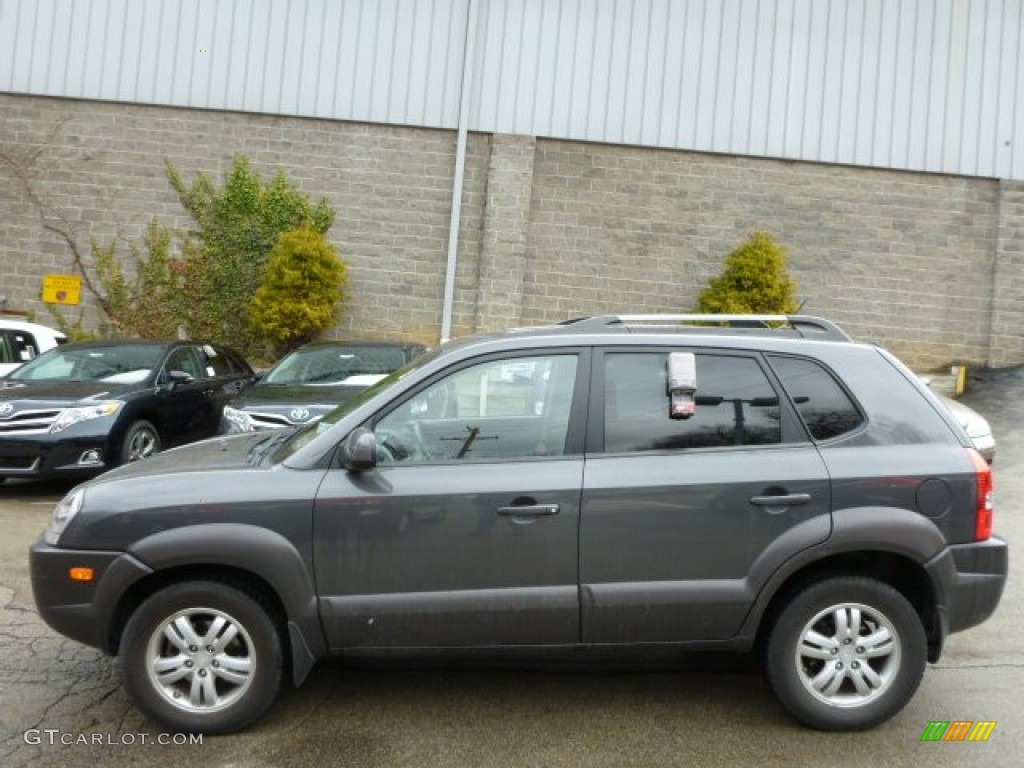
(969, 580)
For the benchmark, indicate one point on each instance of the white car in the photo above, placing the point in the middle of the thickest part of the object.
(975, 425)
(21, 341)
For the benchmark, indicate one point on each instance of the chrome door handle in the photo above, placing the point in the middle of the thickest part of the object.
(529, 510)
(786, 500)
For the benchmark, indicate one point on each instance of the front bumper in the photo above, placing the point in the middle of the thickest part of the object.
(53, 456)
(82, 611)
(969, 581)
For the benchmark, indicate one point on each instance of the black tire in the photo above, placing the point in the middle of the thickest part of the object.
(875, 677)
(141, 440)
(212, 695)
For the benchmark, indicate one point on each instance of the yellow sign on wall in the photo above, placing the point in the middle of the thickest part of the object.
(62, 289)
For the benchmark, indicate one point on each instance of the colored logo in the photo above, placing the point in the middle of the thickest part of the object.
(958, 730)
(299, 414)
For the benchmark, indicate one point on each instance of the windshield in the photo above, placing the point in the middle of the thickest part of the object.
(117, 364)
(336, 365)
(306, 434)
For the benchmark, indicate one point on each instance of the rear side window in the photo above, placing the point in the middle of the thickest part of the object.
(736, 404)
(215, 364)
(823, 405)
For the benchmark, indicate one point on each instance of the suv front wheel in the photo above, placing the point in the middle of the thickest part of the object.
(202, 657)
(846, 654)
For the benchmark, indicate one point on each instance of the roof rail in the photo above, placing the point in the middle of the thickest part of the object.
(807, 326)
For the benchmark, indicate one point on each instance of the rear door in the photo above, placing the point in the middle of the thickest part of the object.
(465, 534)
(683, 520)
(225, 380)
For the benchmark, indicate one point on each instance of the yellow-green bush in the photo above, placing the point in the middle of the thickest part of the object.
(302, 287)
(755, 280)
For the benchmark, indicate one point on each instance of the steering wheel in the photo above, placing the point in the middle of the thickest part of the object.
(406, 444)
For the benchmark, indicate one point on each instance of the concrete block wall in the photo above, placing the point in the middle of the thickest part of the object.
(928, 265)
(902, 259)
(391, 188)
(1006, 344)
(505, 232)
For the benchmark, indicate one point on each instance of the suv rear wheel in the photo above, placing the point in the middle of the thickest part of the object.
(846, 654)
(202, 657)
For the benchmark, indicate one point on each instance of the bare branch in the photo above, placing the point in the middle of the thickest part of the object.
(52, 218)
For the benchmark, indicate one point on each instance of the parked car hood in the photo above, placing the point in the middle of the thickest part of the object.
(61, 393)
(278, 396)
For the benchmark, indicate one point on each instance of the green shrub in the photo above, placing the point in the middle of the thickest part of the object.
(302, 286)
(755, 280)
(236, 226)
(75, 329)
(149, 300)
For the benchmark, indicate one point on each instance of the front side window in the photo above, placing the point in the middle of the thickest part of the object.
(735, 404)
(184, 360)
(504, 409)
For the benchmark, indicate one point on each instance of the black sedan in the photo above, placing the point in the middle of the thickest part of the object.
(314, 380)
(81, 409)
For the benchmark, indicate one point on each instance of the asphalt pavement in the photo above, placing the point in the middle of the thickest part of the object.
(61, 703)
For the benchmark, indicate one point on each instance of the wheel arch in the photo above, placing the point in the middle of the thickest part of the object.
(903, 574)
(891, 545)
(257, 561)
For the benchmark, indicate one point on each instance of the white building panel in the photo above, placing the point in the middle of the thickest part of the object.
(933, 85)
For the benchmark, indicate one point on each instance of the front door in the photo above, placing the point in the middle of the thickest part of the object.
(683, 520)
(465, 534)
(186, 407)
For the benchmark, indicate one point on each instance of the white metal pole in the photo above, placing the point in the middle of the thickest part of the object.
(468, 65)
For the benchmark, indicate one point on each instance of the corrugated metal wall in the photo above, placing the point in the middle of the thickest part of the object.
(932, 85)
(390, 61)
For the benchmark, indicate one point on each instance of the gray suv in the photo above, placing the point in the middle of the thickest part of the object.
(700, 482)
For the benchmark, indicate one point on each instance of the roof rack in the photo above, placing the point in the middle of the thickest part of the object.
(806, 326)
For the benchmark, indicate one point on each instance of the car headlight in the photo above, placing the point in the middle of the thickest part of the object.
(70, 416)
(240, 421)
(65, 512)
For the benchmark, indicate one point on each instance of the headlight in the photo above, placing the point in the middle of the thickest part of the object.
(71, 416)
(65, 512)
(240, 420)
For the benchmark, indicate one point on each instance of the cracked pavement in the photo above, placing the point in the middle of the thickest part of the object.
(710, 712)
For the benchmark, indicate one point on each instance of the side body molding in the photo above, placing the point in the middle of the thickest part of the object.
(258, 550)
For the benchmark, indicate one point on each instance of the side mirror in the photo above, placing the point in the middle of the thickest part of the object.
(174, 378)
(359, 451)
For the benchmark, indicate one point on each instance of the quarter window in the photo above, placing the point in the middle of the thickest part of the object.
(823, 405)
(736, 404)
(506, 409)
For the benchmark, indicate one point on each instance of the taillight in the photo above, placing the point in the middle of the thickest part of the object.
(984, 505)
